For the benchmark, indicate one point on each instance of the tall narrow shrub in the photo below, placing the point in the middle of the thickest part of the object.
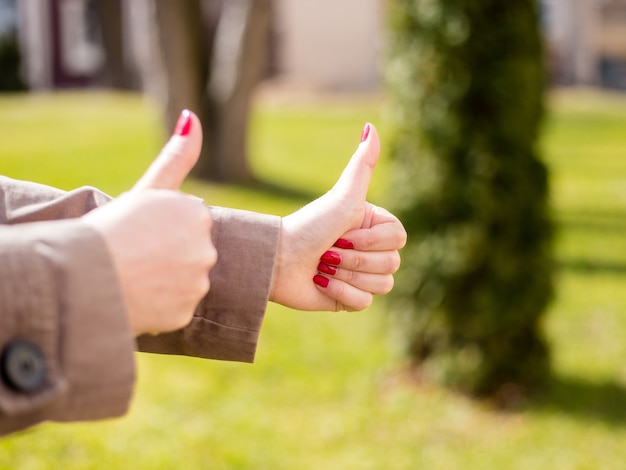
(467, 80)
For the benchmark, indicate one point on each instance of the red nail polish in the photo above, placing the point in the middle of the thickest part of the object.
(321, 280)
(183, 125)
(343, 243)
(324, 268)
(365, 132)
(331, 257)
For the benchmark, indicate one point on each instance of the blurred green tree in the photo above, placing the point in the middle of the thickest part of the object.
(467, 77)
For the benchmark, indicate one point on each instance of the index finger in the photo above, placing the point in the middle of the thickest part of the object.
(386, 233)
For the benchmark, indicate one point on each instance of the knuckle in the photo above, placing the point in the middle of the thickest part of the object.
(210, 258)
(206, 285)
(340, 291)
(369, 238)
(352, 277)
(208, 220)
(203, 220)
(394, 262)
(401, 238)
(182, 319)
(357, 261)
(387, 285)
(201, 287)
(364, 302)
(358, 302)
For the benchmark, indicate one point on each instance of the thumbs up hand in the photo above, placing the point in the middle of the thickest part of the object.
(338, 251)
(159, 238)
(177, 158)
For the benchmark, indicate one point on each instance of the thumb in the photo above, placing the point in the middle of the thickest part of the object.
(355, 178)
(177, 158)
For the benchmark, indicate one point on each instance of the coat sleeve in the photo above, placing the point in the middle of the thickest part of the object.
(227, 323)
(52, 297)
(66, 350)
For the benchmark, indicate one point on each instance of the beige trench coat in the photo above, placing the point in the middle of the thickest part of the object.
(66, 350)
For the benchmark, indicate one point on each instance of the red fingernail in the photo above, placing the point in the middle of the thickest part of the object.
(324, 268)
(343, 243)
(183, 126)
(321, 280)
(331, 257)
(365, 132)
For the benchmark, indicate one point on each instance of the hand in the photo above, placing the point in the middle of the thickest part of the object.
(160, 238)
(338, 251)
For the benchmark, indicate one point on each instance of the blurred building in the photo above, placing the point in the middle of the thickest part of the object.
(587, 41)
(322, 44)
(330, 44)
(60, 41)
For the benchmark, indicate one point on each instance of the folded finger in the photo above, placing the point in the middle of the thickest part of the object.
(346, 296)
(389, 235)
(374, 262)
(377, 284)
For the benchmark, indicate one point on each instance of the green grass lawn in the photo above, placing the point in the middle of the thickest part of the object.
(326, 392)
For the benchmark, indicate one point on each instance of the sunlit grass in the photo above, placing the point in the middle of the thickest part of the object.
(326, 391)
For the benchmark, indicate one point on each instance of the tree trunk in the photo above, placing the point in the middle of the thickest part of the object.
(239, 58)
(213, 56)
(468, 80)
(184, 55)
(119, 72)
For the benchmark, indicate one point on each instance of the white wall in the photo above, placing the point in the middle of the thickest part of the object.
(332, 44)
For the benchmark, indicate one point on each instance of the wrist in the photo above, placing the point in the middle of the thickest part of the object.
(278, 263)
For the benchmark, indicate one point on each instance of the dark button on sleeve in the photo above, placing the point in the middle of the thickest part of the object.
(23, 366)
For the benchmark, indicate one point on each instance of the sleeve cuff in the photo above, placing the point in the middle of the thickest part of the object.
(228, 321)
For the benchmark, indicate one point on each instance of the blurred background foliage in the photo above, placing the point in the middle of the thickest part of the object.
(467, 80)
